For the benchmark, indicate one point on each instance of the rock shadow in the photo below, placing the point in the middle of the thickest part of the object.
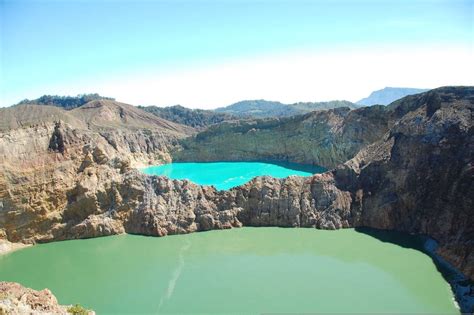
(462, 287)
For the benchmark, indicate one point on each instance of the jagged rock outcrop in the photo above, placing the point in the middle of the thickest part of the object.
(56, 143)
(17, 300)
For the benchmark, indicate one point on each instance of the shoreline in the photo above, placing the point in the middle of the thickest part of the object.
(7, 247)
(460, 284)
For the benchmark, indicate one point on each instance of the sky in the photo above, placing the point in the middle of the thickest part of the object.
(207, 54)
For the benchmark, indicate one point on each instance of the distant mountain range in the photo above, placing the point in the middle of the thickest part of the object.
(388, 95)
(265, 109)
(200, 119)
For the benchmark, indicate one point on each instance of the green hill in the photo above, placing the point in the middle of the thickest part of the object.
(196, 118)
(265, 109)
(66, 102)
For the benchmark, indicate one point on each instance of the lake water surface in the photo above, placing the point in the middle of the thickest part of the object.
(225, 175)
(247, 270)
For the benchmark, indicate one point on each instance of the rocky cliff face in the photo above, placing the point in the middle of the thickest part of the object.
(416, 176)
(45, 164)
(419, 177)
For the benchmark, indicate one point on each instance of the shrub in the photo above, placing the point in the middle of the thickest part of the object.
(77, 310)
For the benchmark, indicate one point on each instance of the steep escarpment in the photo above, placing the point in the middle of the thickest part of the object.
(419, 178)
(44, 151)
(324, 138)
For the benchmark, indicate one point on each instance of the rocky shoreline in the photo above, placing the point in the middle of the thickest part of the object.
(461, 286)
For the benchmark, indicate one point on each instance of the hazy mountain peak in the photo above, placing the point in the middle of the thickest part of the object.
(388, 95)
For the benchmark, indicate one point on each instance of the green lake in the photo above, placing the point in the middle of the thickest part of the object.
(225, 175)
(244, 271)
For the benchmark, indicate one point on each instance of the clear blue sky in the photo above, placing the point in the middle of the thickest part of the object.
(62, 45)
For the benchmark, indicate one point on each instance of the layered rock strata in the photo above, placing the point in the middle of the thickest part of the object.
(49, 155)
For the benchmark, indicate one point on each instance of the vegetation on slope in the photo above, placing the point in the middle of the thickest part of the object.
(66, 102)
(265, 109)
(196, 118)
(77, 310)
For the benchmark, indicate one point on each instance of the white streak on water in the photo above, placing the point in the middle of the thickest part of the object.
(176, 274)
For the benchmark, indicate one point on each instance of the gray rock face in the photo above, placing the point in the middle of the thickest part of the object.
(152, 205)
(293, 202)
(419, 178)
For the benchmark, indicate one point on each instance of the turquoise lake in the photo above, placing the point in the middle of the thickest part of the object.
(225, 175)
(238, 271)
